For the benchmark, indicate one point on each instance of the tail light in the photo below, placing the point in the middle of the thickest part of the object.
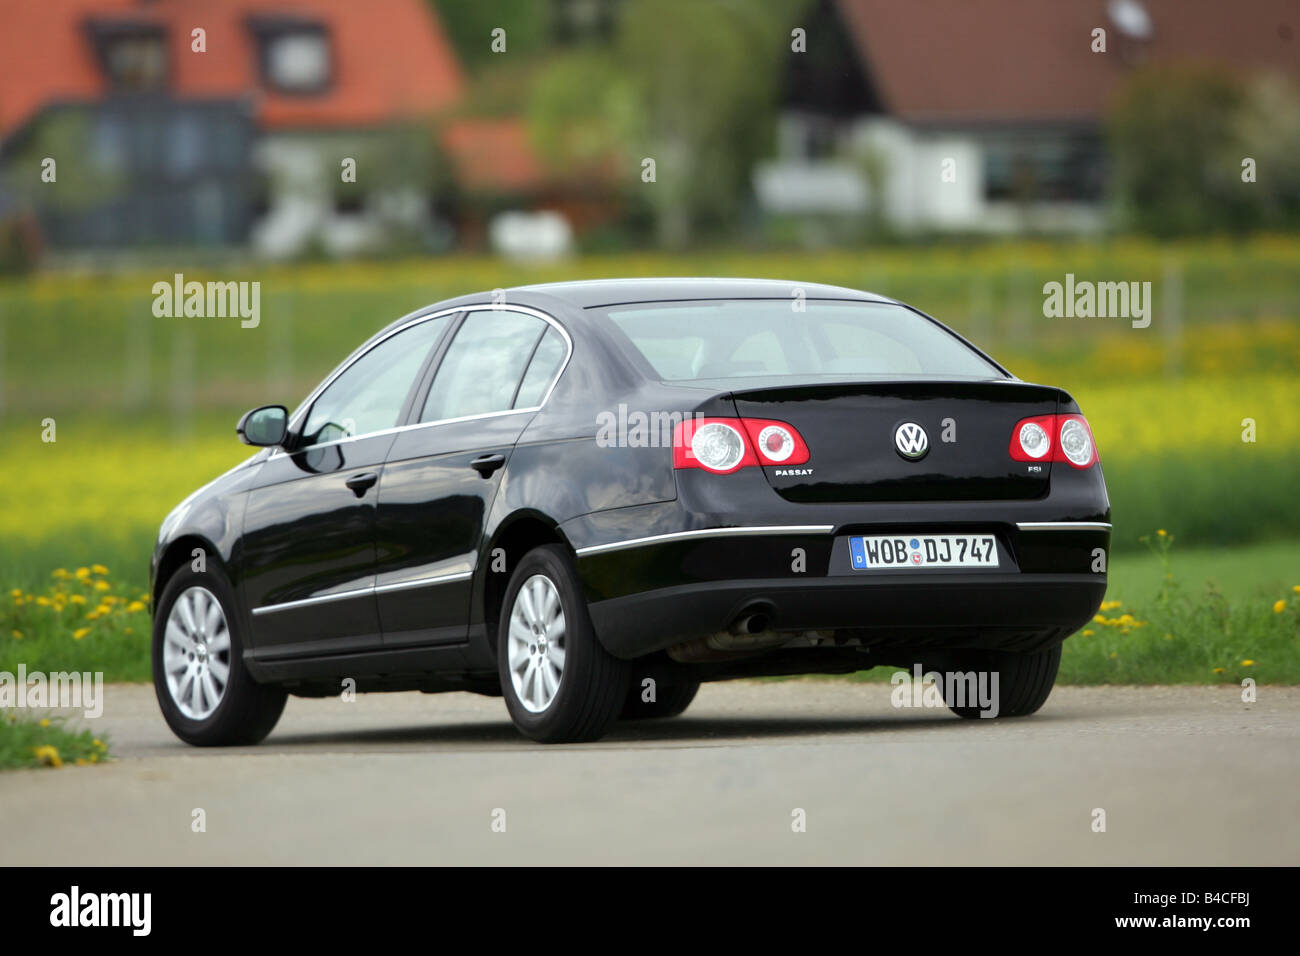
(725, 445)
(1064, 438)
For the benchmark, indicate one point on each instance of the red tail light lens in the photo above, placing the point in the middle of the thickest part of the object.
(1064, 438)
(725, 445)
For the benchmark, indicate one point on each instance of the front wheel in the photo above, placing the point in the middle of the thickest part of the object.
(207, 696)
(1019, 683)
(560, 685)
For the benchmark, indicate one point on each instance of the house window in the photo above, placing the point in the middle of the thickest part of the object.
(1061, 168)
(132, 55)
(295, 56)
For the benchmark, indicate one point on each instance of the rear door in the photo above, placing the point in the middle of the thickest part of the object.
(443, 472)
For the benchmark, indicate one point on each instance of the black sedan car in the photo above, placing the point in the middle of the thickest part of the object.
(590, 497)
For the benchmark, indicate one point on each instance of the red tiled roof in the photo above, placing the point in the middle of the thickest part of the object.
(390, 58)
(1018, 60)
(492, 154)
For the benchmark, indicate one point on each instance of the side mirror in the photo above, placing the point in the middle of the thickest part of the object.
(268, 425)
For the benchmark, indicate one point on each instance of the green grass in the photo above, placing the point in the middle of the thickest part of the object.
(46, 742)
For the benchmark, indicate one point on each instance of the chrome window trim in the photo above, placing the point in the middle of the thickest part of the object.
(366, 591)
(706, 533)
(357, 355)
(1063, 525)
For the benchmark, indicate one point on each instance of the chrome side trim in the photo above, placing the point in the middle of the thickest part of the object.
(706, 533)
(362, 592)
(1063, 525)
(306, 602)
(424, 582)
(301, 411)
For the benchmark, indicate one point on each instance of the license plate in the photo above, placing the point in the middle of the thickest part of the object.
(874, 552)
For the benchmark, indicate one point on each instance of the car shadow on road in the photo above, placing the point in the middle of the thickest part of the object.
(680, 731)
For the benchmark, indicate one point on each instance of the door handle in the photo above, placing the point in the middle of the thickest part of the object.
(486, 464)
(361, 483)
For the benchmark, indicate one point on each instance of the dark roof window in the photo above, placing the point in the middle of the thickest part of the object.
(132, 54)
(294, 54)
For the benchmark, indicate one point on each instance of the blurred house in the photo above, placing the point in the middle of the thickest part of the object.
(959, 116)
(239, 134)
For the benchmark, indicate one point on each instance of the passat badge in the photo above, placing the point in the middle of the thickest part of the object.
(911, 441)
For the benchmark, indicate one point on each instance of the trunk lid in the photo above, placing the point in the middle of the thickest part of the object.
(851, 433)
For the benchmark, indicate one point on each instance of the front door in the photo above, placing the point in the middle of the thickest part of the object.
(309, 529)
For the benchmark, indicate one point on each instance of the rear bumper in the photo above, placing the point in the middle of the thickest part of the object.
(1009, 611)
(666, 585)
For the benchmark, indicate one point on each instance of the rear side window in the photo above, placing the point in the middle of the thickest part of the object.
(484, 365)
(543, 368)
(769, 339)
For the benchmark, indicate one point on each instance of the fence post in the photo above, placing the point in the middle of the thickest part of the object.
(1172, 313)
(137, 364)
(182, 390)
(279, 349)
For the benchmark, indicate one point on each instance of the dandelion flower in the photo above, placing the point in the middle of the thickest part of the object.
(18, 635)
(79, 633)
(16, 593)
(1087, 633)
(1248, 663)
(101, 585)
(48, 755)
(135, 606)
(1279, 606)
(83, 573)
(45, 721)
(99, 569)
(1162, 532)
(1218, 670)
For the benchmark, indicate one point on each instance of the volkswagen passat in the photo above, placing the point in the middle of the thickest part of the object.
(590, 497)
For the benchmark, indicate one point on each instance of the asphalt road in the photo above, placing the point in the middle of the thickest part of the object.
(1187, 775)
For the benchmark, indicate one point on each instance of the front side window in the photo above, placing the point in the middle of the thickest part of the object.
(483, 368)
(767, 339)
(368, 396)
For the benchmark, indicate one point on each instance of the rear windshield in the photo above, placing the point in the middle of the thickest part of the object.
(770, 339)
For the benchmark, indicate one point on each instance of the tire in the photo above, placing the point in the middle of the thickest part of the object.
(674, 687)
(560, 685)
(245, 711)
(1024, 680)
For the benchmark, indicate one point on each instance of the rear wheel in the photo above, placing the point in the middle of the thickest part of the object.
(658, 688)
(206, 694)
(1024, 681)
(560, 685)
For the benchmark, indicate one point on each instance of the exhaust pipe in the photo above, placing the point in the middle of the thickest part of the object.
(755, 623)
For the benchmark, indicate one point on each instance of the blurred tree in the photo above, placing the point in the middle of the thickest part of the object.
(703, 76)
(1268, 128)
(469, 25)
(582, 113)
(1178, 137)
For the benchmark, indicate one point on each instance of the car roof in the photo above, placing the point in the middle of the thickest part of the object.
(585, 294)
(594, 293)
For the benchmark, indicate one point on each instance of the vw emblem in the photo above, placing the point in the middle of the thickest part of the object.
(911, 441)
